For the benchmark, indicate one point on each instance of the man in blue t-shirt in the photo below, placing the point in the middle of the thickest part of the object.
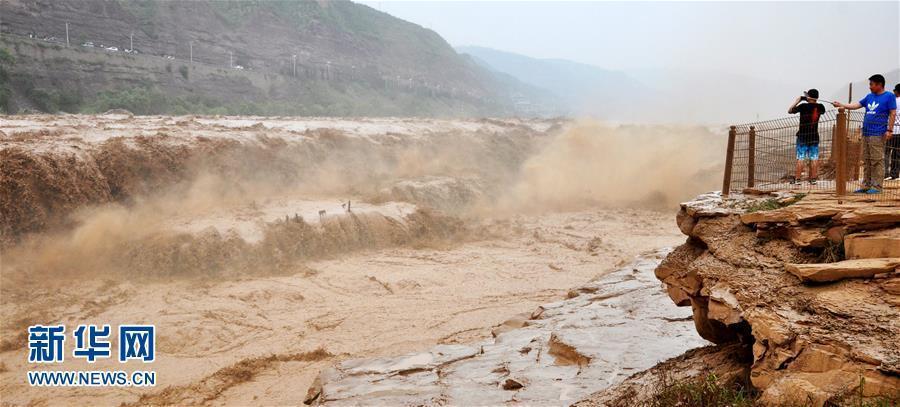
(877, 129)
(892, 148)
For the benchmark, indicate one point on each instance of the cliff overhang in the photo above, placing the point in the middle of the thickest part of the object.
(813, 286)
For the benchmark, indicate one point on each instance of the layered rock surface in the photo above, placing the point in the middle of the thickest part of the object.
(607, 330)
(819, 326)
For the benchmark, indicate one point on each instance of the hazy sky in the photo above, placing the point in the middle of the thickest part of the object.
(821, 42)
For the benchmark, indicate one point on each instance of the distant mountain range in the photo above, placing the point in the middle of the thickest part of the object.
(580, 88)
(655, 95)
(672, 96)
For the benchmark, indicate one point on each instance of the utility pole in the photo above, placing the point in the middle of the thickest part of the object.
(67, 34)
(294, 57)
(192, 51)
(231, 59)
(131, 40)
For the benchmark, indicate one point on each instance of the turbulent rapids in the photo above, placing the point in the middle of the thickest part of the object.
(267, 249)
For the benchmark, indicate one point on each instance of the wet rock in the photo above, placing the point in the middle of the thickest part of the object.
(512, 384)
(416, 373)
(859, 268)
(566, 354)
(618, 325)
(515, 322)
(436, 357)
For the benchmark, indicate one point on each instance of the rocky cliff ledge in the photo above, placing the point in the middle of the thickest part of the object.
(810, 282)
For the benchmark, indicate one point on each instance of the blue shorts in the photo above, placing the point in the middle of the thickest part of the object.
(807, 152)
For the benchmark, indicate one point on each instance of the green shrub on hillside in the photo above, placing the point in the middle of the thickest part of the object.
(149, 100)
(6, 61)
(135, 100)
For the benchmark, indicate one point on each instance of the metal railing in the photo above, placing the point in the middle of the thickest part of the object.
(762, 156)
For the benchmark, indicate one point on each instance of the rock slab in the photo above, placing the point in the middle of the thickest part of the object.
(607, 330)
(828, 272)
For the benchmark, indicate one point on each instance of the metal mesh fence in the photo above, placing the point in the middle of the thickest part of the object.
(764, 157)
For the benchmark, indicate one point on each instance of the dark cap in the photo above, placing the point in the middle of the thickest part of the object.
(813, 93)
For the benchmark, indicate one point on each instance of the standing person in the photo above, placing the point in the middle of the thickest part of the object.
(892, 147)
(808, 134)
(880, 107)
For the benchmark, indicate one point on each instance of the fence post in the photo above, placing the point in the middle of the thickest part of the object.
(751, 158)
(729, 158)
(840, 145)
